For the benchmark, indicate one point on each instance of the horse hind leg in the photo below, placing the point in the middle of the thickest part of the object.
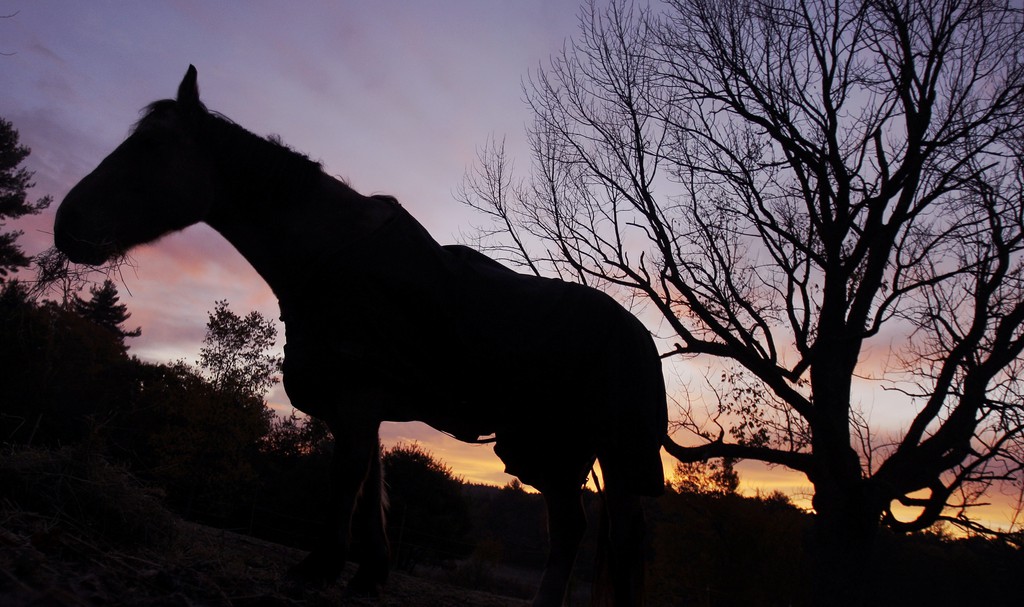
(567, 522)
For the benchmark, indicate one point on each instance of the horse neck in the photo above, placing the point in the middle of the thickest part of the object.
(284, 219)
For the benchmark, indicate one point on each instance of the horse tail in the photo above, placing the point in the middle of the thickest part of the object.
(602, 589)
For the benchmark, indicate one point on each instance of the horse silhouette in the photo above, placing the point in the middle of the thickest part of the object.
(383, 323)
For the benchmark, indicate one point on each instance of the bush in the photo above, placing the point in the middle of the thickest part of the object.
(83, 490)
(428, 517)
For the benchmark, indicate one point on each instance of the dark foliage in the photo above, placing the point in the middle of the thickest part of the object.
(76, 486)
(67, 376)
(193, 439)
(713, 549)
(72, 381)
(293, 467)
(429, 519)
(510, 525)
(736, 551)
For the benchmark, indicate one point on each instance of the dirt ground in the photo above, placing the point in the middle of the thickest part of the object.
(44, 565)
(82, 534)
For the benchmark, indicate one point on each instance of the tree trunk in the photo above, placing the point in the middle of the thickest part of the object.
(846, 521)
(841, 550)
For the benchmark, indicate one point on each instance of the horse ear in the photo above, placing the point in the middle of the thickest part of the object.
(188, 90)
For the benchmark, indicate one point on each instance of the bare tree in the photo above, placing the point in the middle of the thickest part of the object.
(797, 186)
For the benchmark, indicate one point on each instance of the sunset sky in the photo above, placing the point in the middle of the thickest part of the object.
(394, 97)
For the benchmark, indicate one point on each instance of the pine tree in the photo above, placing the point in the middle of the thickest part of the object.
(104, 309)
(15, 182)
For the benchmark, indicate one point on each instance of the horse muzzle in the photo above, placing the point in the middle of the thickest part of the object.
(72, 237)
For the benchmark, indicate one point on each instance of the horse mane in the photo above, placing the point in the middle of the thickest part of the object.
(266, 168)
(267, 157)
(255, 162)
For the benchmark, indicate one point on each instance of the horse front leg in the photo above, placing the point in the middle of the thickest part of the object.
(371, 534)
(356, 447)
(567, 522)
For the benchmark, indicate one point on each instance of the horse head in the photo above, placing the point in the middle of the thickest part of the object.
(157, 181)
